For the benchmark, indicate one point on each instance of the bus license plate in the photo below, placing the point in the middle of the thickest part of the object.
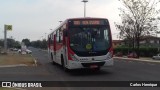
(93, 66)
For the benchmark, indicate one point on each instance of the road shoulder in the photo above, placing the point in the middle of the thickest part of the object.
(140, 59)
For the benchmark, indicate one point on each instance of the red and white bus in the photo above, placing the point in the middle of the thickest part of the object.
(81, 43)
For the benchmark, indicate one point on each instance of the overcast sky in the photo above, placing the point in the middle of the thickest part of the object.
(33, 18)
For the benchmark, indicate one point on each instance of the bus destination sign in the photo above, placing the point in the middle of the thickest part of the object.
(88, 22)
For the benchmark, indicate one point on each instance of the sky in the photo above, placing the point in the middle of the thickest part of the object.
(34, 19)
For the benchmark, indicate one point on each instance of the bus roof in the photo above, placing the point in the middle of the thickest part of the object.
(84, 18)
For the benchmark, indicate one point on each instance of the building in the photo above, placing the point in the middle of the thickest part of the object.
(150, 41)
(116, 43)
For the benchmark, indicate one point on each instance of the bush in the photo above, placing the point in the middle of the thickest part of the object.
(144, 51)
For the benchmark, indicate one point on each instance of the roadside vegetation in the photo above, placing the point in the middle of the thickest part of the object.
(139, 18)
(8, 89)
(15, 58)
(11, 43)
(39, 44)
(143, 51)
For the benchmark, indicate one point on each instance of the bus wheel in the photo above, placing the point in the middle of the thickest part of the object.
(63, 65)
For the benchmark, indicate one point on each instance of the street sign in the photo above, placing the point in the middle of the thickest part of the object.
(8, 27)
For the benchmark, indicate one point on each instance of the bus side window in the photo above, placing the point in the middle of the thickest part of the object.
(60, 36)
(57, 36)
(50, 39)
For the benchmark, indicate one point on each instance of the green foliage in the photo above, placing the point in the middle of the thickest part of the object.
(124, 50)
(144, 51)
(39, 44)
(139, 18)
(148, 51)
(1, 43)
(26, 41)
(11, 43)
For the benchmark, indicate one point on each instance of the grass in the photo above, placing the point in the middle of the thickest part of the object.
(8, 89)
(13, 58)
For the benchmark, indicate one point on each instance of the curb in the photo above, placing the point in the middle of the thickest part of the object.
(18, 65)
(153, 61)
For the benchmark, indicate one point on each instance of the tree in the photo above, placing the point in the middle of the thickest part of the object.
(44, 44)
(11, 43)
(139, 18)
(39, 44)
(26, 41)
(1, 42)
(126, 30)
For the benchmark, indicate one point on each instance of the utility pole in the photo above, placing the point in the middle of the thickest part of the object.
(6, 28)
(5, 39)
(85, 1)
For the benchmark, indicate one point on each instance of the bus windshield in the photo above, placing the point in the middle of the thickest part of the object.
(89, 39)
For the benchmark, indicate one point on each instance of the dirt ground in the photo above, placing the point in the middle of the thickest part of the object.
(14, 58)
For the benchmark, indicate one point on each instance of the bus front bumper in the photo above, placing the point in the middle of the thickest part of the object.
(78, 64)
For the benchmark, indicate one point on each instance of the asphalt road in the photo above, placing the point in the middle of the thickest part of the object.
(123, 70)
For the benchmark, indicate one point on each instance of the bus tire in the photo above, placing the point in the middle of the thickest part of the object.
(63, 65)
